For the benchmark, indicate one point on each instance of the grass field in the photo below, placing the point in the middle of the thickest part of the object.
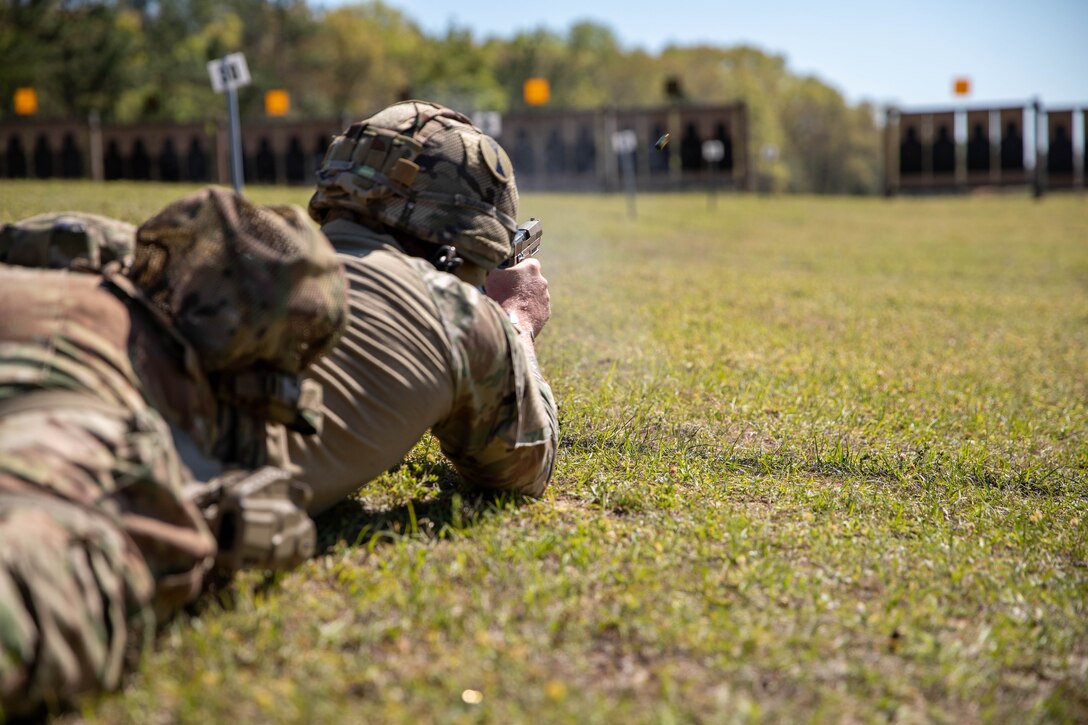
(823, 459)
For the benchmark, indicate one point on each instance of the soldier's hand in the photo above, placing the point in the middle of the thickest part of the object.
(523, 290)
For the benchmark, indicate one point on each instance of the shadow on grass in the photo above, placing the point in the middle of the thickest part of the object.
(450, 507)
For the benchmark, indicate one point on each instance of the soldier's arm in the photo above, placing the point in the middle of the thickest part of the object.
(523, 293)
(502, 432)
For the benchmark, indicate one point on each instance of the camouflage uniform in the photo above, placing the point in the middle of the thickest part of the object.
(423, 349)
(101, 380)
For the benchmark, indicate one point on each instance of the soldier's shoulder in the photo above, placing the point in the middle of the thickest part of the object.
(46, 280)
(459, 305)
(31, 298)
(393, 268)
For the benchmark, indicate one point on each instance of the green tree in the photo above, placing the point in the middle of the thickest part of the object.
(462, 74)
(536, 54)
(363, 57)
(169, 62)
(146, 60)
(831, 148)
(725, 75)
(586, 68)
(73, 53)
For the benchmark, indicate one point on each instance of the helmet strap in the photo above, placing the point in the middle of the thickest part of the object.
(445, 259)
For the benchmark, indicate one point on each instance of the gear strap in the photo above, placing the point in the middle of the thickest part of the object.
(277, 396)
(122, 286)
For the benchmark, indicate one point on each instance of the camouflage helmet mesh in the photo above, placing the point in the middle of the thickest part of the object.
(424, 170)
(247, 286)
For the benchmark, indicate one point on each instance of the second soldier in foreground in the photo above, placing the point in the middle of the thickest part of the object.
(106, 382)
(421, 207)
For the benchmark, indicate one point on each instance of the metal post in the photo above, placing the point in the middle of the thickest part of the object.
(712, 200)
(236, 172)
(627, 165)
(674, 159)
(746, 147)
(94, 125)
(1039, 185)
(891, 151)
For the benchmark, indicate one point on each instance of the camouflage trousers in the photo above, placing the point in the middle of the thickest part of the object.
(96, 546)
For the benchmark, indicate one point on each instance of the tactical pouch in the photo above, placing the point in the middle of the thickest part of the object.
(259, 519)
(380, 157)
(66, 240)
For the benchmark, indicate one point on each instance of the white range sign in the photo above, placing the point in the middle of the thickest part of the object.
(229, 72)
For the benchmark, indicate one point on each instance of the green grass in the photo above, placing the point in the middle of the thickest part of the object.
(823, 459)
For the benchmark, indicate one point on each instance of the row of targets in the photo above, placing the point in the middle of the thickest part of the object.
(160, 154)
(176, 159)
(557, 149)
(163, 164)
(1062, 159)
(985, 147)
(579, 155)
(294, 164)
(561, 148)
(41, 161)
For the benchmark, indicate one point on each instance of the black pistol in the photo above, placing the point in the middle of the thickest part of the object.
(527, 242)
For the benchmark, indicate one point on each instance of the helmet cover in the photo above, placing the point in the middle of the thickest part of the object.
(247, 286)
(424, 170)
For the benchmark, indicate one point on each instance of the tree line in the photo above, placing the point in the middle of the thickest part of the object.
(145, 60)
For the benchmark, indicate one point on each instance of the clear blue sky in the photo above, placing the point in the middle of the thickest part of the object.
(901, 52)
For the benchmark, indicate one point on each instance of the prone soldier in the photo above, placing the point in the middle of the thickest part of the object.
(107, 382)
(421, 207)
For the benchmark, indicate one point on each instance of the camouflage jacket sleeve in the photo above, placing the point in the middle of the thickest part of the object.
(98, 541)
(502, 430)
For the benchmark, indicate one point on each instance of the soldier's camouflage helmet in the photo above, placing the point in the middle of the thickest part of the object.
(247, 286)
(425, 170)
